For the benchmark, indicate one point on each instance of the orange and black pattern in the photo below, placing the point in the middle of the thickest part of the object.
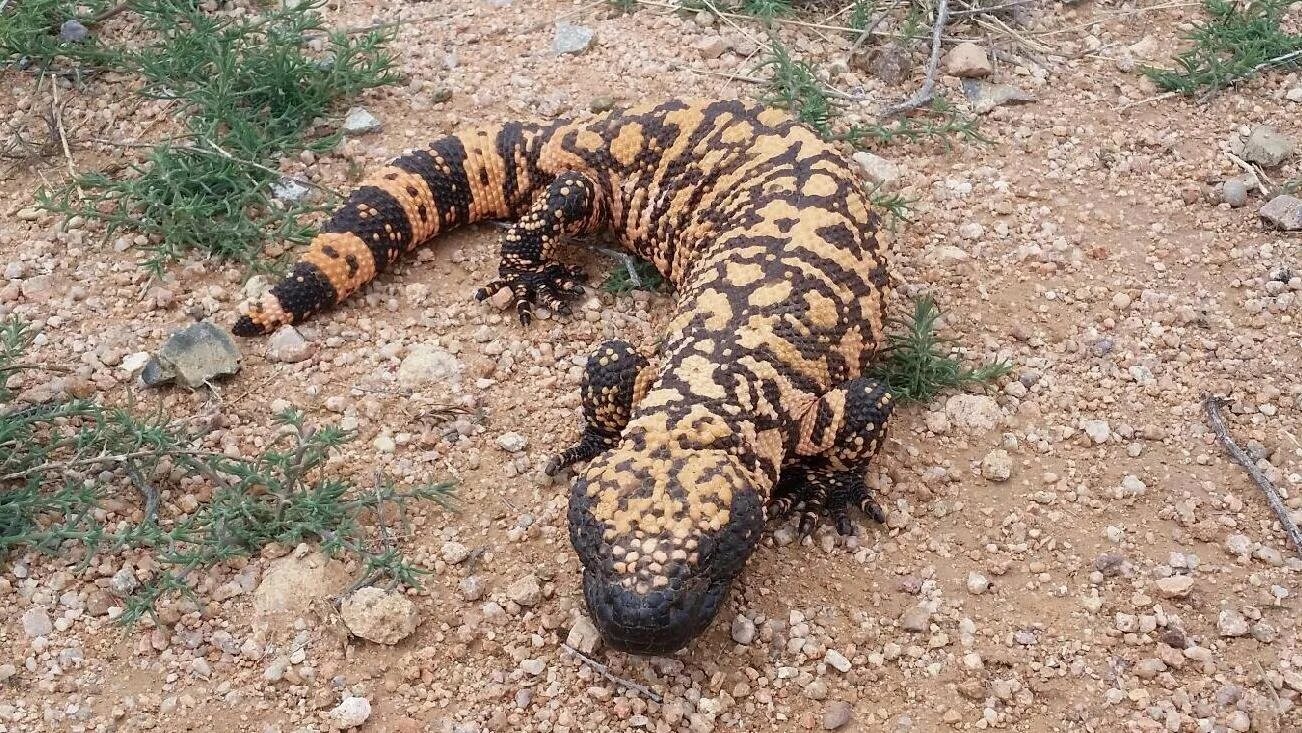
(757, 404)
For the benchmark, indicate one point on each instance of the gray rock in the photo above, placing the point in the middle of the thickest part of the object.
(7, 671)
(427, 364)
(572, 38)
(534, 667)
(472, 587)
(1098, 430)
(1231, 623)
(837, 715)
(360, 121)
(192, 356)
(977, 583)
(378, 615)
(73, 31)
(1283, 211)
(288, 345)
(985, 96)
(891, 63)
(743, 630)
(1266, 146)
(36, 622)
(916, 619)
(1235, 192)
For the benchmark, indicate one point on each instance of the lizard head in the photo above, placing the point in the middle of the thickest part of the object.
(663, 524)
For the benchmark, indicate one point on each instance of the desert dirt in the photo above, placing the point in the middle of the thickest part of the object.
(1086, 243)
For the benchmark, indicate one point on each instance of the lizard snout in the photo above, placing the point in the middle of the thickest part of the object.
(656, 623)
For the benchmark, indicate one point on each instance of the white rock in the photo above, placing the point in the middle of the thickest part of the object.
(876, 169)
(512, 442)
(360, 121)
(973, 412)
(1175, 586)
(977, 583)
(427, 364)
(455, 553)
(583, 636)
(837, 661)
(378, 615)
(36, 622)
(350, 713)
(1098, 431)
(997, 466)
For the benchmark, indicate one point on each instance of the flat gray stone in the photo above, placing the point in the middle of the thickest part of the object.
(192, 356)
(1266, 146)
(985, 96)
(572, 38)
(360, 121)
(1283, 211)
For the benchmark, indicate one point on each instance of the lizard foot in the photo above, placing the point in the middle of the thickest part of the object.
(546, 284)
(823, 492)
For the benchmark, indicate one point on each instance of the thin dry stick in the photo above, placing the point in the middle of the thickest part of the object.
(1257, 176)
(1213, 406)
(928, 90)
(604, 671)
(854, 49)
(57, 109)
(220, 151)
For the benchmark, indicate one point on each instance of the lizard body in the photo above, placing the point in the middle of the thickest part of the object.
(758, 402)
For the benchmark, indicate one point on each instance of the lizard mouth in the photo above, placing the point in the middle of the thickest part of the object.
(656, 623)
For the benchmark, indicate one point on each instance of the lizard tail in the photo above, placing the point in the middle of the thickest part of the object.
(485, 174)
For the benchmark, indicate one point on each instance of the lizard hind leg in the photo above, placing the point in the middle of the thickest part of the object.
(615, 378)
(571, 205)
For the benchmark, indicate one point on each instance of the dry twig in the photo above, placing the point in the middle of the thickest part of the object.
(928, 90)
(604, 671)
(1213, 406)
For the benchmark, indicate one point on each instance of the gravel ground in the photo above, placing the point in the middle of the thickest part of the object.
(1071, 551)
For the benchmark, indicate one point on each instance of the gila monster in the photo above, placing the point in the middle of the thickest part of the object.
(758, 404)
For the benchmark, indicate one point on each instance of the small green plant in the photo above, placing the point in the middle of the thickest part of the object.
(636, 274)
(61, 460)
(765, 9)
(29, 33)
(249, 90)
(795, 85)
(625, 6)
(1239, 41)
(916, 363)
(861, 13)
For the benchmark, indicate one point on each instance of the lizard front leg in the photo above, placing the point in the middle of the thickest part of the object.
(838, 438)
(571, 205)
(615, 378)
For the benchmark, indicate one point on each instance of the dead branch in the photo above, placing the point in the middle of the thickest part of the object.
(1213, 405)
(928, 90)
(604, 671)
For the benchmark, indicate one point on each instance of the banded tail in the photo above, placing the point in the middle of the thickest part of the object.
(461, 179)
